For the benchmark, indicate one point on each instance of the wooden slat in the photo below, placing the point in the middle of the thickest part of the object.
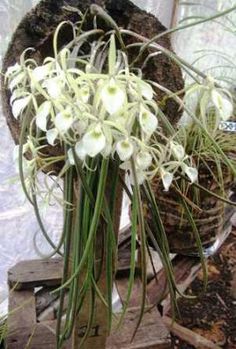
(157, 289)
(22, 311)
(34, 273)
(152, 333)
(21, 318)
(34, 337)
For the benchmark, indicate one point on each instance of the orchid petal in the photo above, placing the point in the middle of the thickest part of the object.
(42, 115)
(167, 179)
(19, 105)
(222, 104)
(53, 87)
(148, 121)
(144, 160)
(146, 90)
(94, 141)
(51, 136)
(85, 94)
(13, 69)
(16, 80)
(227, 109)
(191, 172)
(80, 151)
(113, 97)
(64, 120)
(124, 149)
(41, 72)
(177, 150)
(140, 177)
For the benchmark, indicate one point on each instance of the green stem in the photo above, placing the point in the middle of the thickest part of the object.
(94, 223)
(68, 194)
(138, 202)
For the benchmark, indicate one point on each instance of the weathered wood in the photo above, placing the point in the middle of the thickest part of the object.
(22, 311)
(21, 319)
(135, 299)
(35, 273)
(189, 336)
(38, 336)
(39, 272)
(157, 289)
(152, 333)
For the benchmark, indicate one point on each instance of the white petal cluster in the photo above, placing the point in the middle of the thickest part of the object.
(98, 108)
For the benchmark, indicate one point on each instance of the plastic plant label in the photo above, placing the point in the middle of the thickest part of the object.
(227, 126)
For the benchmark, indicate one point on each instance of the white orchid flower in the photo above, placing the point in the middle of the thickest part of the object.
(85, 93)
(42, 115)
(54, 87)
(41, 72)
(113, 97)
(80, 126)
(167, 179)
(19, 105)
(51, 136)
(80, 150)
(64, 120)
(177, 150)
(94, 141)
(16, 80)
(146, 90)
(191, 172)
(144, 160)
(15, 95)
(222, 104)
(124, 149)
(148, 121)
(140, 177)
(14, 69)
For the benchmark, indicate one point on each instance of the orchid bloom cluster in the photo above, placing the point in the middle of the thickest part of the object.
(97, 106)
(215, 97)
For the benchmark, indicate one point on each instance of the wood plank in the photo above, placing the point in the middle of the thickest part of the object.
(157, 288)
(38, 336)
(21, 318)
(35, 273)
(152, 333)
(121, 285)
(22, 312)
(189, 336)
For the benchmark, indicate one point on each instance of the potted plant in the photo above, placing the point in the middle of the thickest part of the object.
(202, 203)
(84, 106)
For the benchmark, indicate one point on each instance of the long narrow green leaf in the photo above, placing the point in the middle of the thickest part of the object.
(94, 223)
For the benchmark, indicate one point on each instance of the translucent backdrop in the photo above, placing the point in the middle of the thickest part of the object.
(18, 227)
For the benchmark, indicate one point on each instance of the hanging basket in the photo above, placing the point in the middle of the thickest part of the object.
(207, 211)
(36, 31)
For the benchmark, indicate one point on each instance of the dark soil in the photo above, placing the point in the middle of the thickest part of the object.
(214, 314)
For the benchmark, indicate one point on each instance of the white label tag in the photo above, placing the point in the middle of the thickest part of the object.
(228, 126)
